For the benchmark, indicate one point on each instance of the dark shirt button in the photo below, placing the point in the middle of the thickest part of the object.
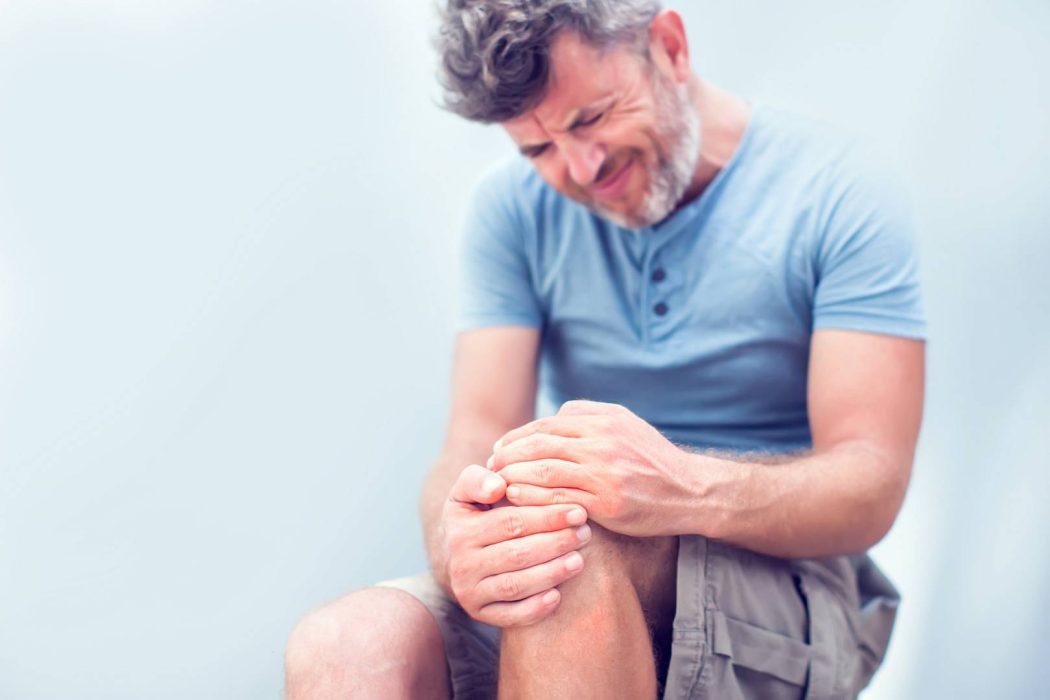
(659, 275)
(660, 309)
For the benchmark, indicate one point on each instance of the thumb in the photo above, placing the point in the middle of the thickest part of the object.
(476, 484)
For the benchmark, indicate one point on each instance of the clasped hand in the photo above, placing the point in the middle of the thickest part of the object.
(628, 476)
(504, 564)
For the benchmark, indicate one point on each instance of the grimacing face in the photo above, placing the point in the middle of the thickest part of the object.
(613, 133)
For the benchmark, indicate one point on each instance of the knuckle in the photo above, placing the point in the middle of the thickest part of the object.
(518, 555)
(535, 441)
(508, 587)
(469, 472)
(555, 518)
(513, 522)
(559, 497)
(545, 472)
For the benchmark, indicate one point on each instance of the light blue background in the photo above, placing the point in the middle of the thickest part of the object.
(227, 235)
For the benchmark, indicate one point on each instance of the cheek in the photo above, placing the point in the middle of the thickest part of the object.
(649, 146)
(637, 141)
(634, 135)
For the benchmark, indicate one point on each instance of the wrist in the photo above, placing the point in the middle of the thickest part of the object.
(718, 495)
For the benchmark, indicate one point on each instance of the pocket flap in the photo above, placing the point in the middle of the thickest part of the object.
(758, 649)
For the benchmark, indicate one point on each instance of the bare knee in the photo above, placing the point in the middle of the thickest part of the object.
(634, 556)
(376, 642)
(606, 570)
(647, 564)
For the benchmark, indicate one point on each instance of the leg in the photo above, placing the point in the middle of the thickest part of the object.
(374, 643)
(598, 643)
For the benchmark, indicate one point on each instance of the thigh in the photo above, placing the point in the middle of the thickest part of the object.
(471, 647)
(751, 626)
(651, 563)
(371, 642)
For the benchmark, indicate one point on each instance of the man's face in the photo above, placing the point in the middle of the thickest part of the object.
(613, 133)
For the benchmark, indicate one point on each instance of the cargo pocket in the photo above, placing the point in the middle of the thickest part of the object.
(815, 665)
(765, 664)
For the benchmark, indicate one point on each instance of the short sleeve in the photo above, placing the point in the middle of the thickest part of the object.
(867, 266)
(495, 287)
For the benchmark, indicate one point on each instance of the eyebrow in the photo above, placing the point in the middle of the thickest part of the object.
(589, 108)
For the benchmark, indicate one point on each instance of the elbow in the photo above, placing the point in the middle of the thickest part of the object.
(876, 529)
(885, 506)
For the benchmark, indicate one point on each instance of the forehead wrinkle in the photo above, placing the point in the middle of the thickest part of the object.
(552, 86)
(534, 120)
(568, 57)
(571, 116)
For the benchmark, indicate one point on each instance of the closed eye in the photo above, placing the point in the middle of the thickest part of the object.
(534, 151)
(588, 122)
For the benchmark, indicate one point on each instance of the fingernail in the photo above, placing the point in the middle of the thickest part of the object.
(490, 484)
(549, 597)
(496, 445)
(583, 533)
(574, 562)
(491, 460)
(513, 492)
(576, 516)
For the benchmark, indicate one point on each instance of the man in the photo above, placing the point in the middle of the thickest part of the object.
(733, 290)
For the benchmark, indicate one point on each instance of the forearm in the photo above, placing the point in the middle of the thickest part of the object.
(838, 501)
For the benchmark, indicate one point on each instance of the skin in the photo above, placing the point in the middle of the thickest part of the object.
(500, 538)
(865, 396)
(865, 391)
(592, 125)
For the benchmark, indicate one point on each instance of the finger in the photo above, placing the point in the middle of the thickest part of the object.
(476, 484)
(579, 407)
(529, 495)
(523, 612)
(517, 585)
(535, 446)
(500, 524)
(566, 426)
(548, 472)
(524, 552)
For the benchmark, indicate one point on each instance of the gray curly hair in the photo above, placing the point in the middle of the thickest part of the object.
(495, 53)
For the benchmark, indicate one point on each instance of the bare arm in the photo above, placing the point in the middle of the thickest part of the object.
(493, 390)
(865, 408)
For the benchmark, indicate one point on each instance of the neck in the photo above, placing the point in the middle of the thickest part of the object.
(723, 119)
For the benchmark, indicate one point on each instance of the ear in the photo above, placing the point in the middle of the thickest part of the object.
(668, 45)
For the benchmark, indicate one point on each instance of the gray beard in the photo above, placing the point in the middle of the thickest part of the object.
(678, 152)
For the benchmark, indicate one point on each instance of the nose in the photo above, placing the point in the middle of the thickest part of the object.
(584, 159)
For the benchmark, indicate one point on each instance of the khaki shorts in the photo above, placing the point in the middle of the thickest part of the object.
(745, 626)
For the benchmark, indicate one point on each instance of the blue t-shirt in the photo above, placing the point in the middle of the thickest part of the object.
(701, 324)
